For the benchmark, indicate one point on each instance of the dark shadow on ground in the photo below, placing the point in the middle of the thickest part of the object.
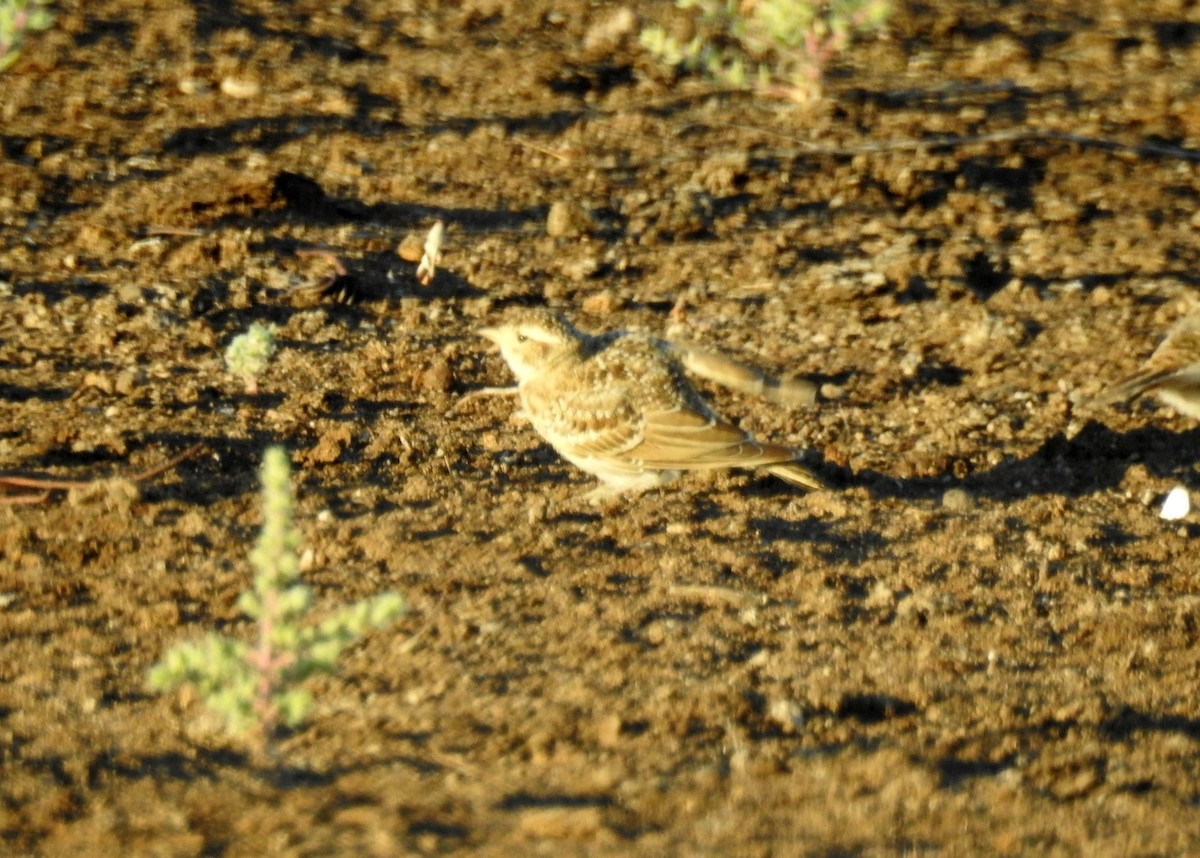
(1094, 460)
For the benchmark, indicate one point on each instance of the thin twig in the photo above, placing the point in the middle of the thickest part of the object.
(542, 149)
(150, 473)
(42, 483)
(48, 485)
(31, 499)
(154, 231)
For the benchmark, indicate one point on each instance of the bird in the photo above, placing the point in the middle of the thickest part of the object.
(1172, 372)
(619, 406)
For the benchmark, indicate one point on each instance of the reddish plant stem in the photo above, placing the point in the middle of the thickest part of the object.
(269, 665)
(262, 660)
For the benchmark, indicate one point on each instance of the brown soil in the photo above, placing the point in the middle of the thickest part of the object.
(719, 667)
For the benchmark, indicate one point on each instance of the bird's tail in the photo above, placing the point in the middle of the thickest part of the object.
(796, 475)
(1128, 387)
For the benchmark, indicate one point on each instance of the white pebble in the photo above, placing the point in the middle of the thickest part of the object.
(1177, 505)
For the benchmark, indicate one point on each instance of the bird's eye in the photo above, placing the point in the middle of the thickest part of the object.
(521, 338)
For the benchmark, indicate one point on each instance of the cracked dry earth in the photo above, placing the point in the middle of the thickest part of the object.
(983, 642)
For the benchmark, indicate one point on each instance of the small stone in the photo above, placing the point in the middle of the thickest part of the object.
(608, 730)
(411, 248)
(97, 380)
(130, 293)
(560, 823)
(601, 303)
(491, 442)
(567, 219)
(1176, 506)
(655, 634)
(438, 377)
(126, 382)
(240, 88)
(881, 596)
(958, 500)
(581, 269)
(788, 714)
(607, 33)
(193, 86)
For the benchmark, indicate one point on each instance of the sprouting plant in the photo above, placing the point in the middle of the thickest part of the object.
(249, 353)
(256, 687)
(773, 46)
(17, 17)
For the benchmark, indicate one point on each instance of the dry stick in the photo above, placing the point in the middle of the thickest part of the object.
(183, 232)
(150, 473)
(47, 485)
(542, 149)
(30, 499)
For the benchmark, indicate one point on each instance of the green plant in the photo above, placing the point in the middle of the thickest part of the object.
(249, 353)
(256, 686)
(17, 17)
(774, 46)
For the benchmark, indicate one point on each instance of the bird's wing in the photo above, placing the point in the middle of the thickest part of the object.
(1131, 385)
(690, 438)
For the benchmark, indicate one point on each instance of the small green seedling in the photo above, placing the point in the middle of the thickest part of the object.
(249, 353)
(256, 687)
(779, 47)
(17, 17)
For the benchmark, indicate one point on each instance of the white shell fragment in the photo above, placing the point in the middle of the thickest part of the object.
(1177, 505)
(433, 254)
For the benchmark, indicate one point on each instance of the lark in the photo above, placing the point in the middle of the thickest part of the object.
(619, 406)
(1172, 372)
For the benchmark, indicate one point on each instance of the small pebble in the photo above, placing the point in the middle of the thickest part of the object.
(438, 377)
(126, 382)
(566, 219)
(237, 88)
(600, 303)
(411, 248)
(1177, 505)
(958, 500)
(607, 33)
(581, 269)
(130, 293)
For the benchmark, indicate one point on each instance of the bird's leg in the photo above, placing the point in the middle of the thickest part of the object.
(479, 394)
(600, 495)
(627, 487)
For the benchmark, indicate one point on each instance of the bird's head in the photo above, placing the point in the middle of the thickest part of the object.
(533, 340)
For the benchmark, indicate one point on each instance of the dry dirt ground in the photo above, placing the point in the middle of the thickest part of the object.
(982, 643)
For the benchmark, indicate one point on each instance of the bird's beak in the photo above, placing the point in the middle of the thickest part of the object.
(492, 334)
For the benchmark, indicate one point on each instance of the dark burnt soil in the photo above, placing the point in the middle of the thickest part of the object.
(984, 642)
